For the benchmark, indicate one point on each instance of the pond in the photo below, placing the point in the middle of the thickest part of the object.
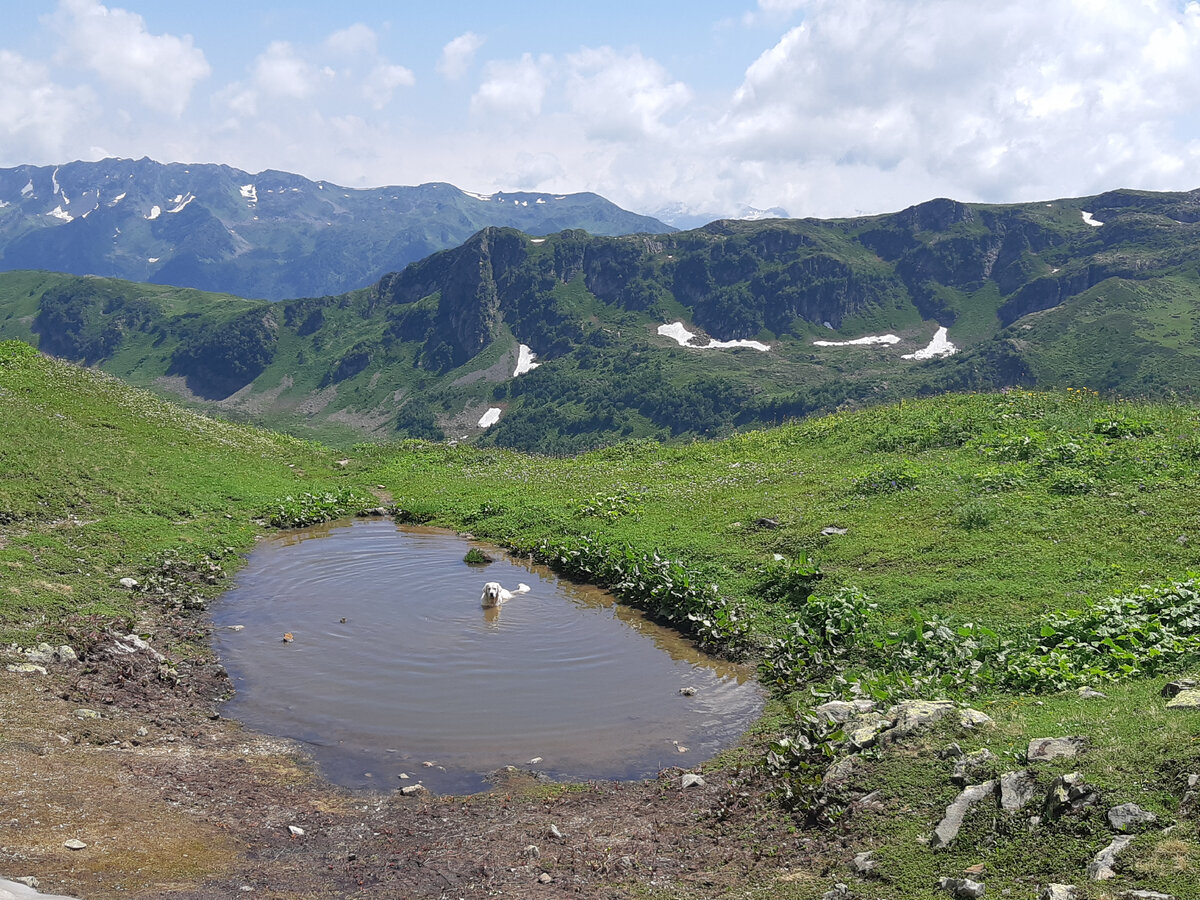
(394, 664)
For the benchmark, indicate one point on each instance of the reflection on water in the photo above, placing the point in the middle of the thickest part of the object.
(395, 664)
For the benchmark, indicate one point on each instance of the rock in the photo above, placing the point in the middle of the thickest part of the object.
(973, 718)
(1130, 817)
(838, 892)
(410, 789)
(963, 888)
(237, 627)
(132, 643)
(1068, 794)
(947, 830)
(87, 714)
(764, 522)
(1017, 790)
(830, 530)
(691, 780)
(1189, 699)
(914, 714)
(1191, 797)
(554, 832)
(288, 637)
(864, 731)
(1087, 693)
(75, 844)
(1144, 895)
(952, 752)
(688, 691)
(545, 878)
(1046, 749)
(429, 764)
(128, 583)
(865, 863)
(532, 852)
(1059, 892)
(141, 732)
(977, 869)
(971, 764)
(1172, 688)
(838, 774)
(27, 669)
(28, 881)
(839, 711)
(534, 761)
(295, 831)
(1101, 868)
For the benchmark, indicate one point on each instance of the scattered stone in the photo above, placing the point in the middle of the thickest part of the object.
(1191, 797)
(688, 691)
(237, 627)
(865, 862)
(838, 774)
(1171, 688)
(947, 830)
(67, 654)
(141, 732)
(1017, 790)
(962, 888)
(1068, 794)
(973, 718)
(87, 714)
(1059, 892)
(914, 714)
(838, 892)
(404, 775)
(1087, 693)
(288, 637)
(554, 832)
(1130, 817)
(976, 869)
(545, 878)
(838, 712)
(532, 852)
(864, 731)
(535, 761)
(410, 789)
(952, 752)
(679, 747)
(764, 522)
(28, 881)
(295, 831)
(971, 764)
(75, 844)
(128, 583)
(429, 764)
(691, 780)
(1101, 868)
(1189, 699)
(132, 643)
(373, 511)
(27, 669)
(830, 530)
(1046, 749)
(1144, 895)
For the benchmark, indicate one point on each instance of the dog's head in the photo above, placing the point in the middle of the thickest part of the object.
(491, 592)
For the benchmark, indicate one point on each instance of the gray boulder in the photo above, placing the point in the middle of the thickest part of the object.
(1189, 699)
(962, 888)
(840, 711)
(1068, 794)
(1059, 892)
(1130, 817)
(1017, 790)
(1191, 797)
(1173, 688)
(912, 715)
(1101, 868)
(947, 830)
(1046, 749)
(971, 765)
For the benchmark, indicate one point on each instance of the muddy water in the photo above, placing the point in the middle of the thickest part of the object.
(394, 663)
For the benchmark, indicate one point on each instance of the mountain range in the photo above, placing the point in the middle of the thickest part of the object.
(273, 235)
(570, 340)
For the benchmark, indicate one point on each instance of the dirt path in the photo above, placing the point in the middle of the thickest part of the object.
(172, 800)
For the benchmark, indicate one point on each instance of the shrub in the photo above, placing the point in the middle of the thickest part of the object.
(312, 509)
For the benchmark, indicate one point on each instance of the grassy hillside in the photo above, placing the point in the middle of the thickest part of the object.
(1032, 295)
(1001, 522)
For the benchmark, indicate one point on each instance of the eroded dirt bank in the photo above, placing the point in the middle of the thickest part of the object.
(127, 752)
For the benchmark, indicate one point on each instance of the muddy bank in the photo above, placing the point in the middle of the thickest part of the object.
(125, 751)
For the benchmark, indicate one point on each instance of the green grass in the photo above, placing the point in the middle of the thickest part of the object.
(992, 509)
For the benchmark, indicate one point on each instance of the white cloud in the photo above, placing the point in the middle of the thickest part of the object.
(622, 97)
(513, 89)
(357, 40)
(161, 70)
(458, 54)
(281, 72)
(36, 115)
(383, 80)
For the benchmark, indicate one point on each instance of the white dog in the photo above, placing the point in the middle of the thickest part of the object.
(494, 594)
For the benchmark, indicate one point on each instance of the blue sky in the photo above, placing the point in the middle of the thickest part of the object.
(818, 107)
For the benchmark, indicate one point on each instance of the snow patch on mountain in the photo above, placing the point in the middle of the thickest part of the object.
(525, 360)
(678, 333)
(28, 189)
(490, 418)
(483, 197)
(59, 213)
(154, 213)
(939, 346)
(1090, 219)
(869, 339)
(182, 201)
(249, 192)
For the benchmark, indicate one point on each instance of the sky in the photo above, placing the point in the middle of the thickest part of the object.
(817, 107)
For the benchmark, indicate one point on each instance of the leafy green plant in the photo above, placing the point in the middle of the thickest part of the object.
(299, 510)
(885, 479)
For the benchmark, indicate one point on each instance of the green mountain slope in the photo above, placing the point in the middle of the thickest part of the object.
(270, 235)
(1032, 294)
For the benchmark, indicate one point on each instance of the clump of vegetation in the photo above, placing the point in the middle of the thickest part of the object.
(476, 557)
(299, 510)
